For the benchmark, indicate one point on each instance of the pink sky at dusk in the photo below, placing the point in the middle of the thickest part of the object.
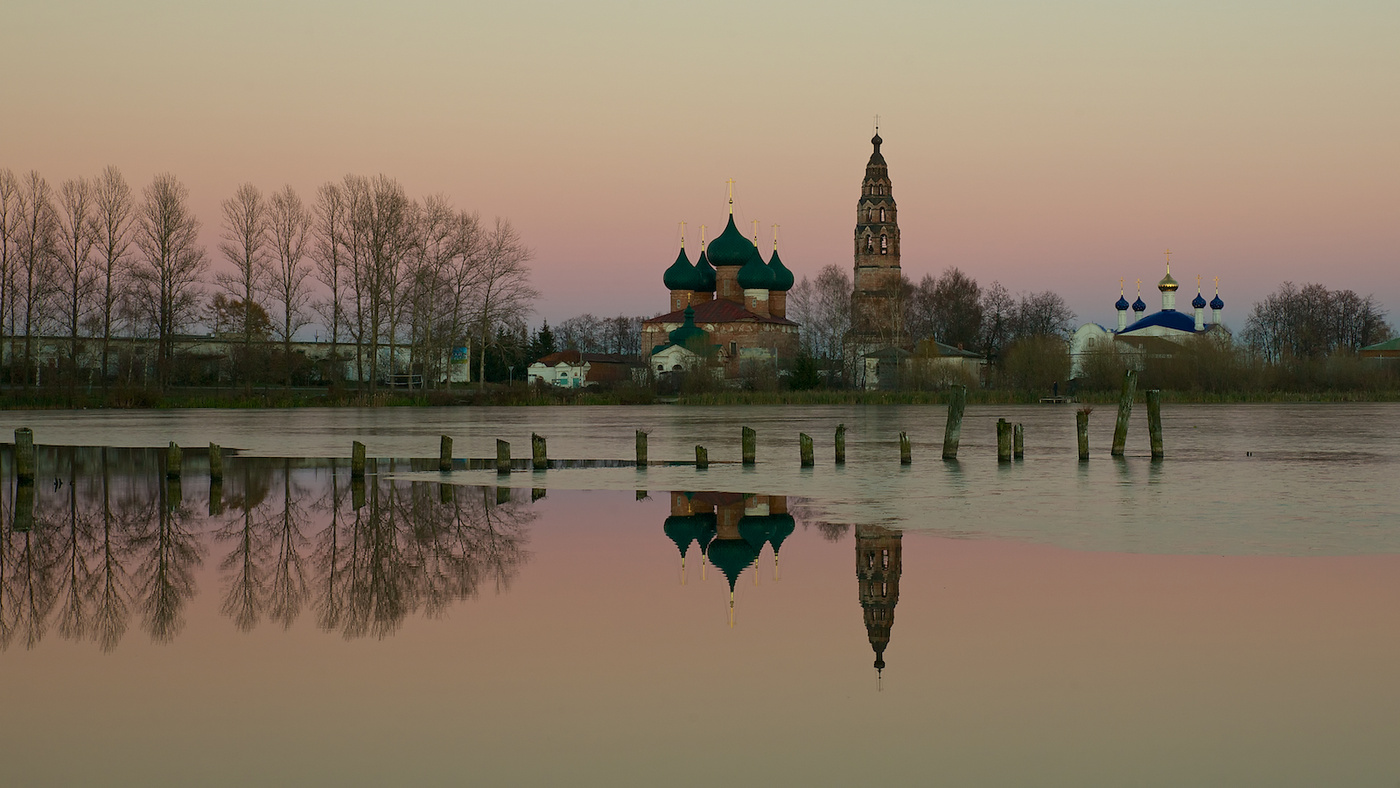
(1045, 145)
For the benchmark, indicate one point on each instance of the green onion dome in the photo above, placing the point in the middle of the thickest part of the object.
(731, 557)
(730, 248)
(681, 275)
(782, 277)
(755, 275)
(688, 335)
(783, 527)
(705, 273)
(756, 530)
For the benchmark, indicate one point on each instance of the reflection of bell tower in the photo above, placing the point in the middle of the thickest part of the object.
(878, 560)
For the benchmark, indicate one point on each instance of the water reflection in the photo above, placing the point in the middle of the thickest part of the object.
(115, 538)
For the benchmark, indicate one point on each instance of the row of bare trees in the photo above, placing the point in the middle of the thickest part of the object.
(92, 261)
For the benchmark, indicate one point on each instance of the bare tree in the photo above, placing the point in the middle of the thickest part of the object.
(77, 278)
(832, 316)
(290, 222)
(801, 306)
(950, 308)
(9, 232)
(503, 293)
(244, 243)
(332, 266)
(36, 257)
(172, 264)
(998, 320)
(112, 229)
(464, 272)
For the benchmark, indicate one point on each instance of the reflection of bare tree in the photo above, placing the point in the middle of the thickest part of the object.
(74, 537)
(110, 586)
(407, 551)
(243, 566)
(329, 598)
(810, 516)
(288, 585)
(168, 552)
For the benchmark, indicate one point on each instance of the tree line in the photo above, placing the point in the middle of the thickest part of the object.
(385, 275)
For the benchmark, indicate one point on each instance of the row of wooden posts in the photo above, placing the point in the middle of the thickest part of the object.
(1010, 441)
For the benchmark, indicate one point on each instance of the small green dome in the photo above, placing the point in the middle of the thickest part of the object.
(705, 274)
(731, 557)
(689, 335)
(730, 248)
(782, 277)
(681, 275)
(755, 275)
(783, 527)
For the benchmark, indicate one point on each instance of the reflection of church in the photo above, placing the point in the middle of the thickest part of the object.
(730, 529)
(878, 563)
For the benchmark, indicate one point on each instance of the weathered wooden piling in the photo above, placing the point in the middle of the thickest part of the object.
(1018, 442)
(840, 444)
(750, 446)
(905, 455)
(357, 461)
(24, 455)
(539, 456)
(216, 462)
(357, 491)
(174, 493)
(445, 454)
(1003, 440)
(641, 495)
(502, 456)
(444, 493)
(641, 449)
(216, 497)
(1081, 427)
(536, 493)
(24, 506)
(952, 431)
(502, 495)
(1125, 409)
(702, 457)
(1154, 422)
(805, 442)
(174, 458)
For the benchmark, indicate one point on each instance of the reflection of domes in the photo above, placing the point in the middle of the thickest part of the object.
(730, 248)
(1139, 306)
(681, 275)
(731, 557)
(704, 274)
(782, 527)
(756, 530)
(1216, 303)
(782, 277)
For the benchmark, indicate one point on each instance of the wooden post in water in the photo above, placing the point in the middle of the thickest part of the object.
(952, 431)
(641, 449)
(24, 505)
(750, 446)
(24, 456)
(537, 493)
(641, 495)
(216, 497)
(539, 456)
(905, 457)
(357, 491)
(702, 458)
(445, 454)
(357, 461)
(216, 463)
(1154, 421)
(1003, 440)
(1018, 442)
(805, 442)
(1081, 426)
(502, 496)
(174, 458)
(840, 444)
(1125, 409)
(444, 493)
(502, 456)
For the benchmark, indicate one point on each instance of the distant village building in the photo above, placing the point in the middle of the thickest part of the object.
(572, 369)
(1160, 334)
(730, 309)
(1385, 353)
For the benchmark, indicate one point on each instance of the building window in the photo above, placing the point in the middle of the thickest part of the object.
(733, 349)
(885, 559)
(869, 244)
(882, 214)
(884, 245)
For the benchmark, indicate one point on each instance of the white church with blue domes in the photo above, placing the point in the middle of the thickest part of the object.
(1144, 334)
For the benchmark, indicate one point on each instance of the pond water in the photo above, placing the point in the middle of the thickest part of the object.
(1223, 617)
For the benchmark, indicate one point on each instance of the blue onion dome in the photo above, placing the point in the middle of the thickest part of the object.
(1139, 306)
(755, 275)
(681, 275)
(705, 273)
(1122, 304)
(730, 248)
(1216, 303)
(688, 334)
(1199, 302)
(782, 277)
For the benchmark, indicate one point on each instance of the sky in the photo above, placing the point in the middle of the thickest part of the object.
(1044, 145)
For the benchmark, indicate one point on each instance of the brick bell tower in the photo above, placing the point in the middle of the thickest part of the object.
(877, 276)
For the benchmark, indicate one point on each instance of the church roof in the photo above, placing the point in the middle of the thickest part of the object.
(682, 275)
(782, 277)
(705, 273)
(720, 311)
(755, 275)
(731, 247)
(1167, 318)
(876, 159)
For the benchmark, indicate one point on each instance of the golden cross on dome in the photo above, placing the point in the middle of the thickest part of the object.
(682, 235)
(731, 196)
(775, 237)
(1168, 253)
(1198, 283)
(1217, 285)
(1120, 285)
(702, 237)
(1139, 284)
(755, 233)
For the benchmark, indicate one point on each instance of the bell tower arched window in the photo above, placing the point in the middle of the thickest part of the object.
(882, 214)
(869, 244)
(884, 245)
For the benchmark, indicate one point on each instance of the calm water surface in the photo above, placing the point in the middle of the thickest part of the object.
(1225, 617)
